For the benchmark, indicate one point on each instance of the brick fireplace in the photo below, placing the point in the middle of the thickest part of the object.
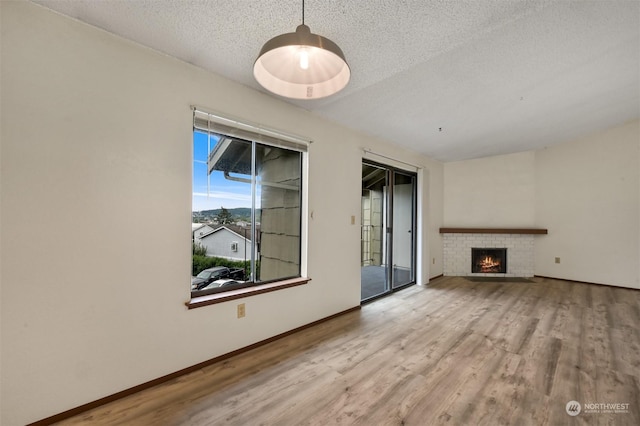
(518, 246)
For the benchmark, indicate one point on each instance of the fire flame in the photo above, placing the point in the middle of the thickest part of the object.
(488, 263)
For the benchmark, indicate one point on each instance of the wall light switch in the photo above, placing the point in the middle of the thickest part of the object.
(353, 220)
(557, 260)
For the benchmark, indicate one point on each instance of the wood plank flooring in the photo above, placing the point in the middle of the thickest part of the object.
(454, 353)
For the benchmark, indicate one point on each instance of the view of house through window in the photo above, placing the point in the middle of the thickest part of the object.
(245, 212)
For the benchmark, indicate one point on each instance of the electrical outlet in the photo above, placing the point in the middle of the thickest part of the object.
(353, 220)
(557, 260)
(433, 261)
(241, 311)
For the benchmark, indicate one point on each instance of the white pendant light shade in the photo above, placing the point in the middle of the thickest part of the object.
(301, 65)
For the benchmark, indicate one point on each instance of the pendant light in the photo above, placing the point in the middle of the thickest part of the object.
(301, 65)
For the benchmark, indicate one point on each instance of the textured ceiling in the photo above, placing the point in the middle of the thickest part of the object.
(454, 79)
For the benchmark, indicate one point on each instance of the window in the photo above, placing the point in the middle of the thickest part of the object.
(246, 206)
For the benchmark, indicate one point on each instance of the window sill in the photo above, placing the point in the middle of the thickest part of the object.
(212, 299)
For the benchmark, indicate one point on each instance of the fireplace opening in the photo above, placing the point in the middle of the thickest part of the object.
(489, 260)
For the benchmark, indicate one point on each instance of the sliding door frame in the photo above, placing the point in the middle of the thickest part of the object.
(388, 231)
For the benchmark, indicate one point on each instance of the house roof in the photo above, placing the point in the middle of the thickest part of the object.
(239, 231)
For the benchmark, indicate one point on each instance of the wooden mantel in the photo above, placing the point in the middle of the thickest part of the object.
(493, 231)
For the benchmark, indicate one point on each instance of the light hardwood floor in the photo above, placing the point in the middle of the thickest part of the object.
(454, 352)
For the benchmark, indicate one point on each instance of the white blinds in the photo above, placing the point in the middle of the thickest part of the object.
(213, 123)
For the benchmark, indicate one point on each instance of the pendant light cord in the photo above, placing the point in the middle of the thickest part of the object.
(302, 12)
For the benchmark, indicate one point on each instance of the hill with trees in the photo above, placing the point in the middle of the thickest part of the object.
(233, 215)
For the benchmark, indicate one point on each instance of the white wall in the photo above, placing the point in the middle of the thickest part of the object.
(585, 192)
(433, 209)
(96, 155)
(493, 192)
(587, 195)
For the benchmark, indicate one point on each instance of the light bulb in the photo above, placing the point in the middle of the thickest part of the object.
(304, 59)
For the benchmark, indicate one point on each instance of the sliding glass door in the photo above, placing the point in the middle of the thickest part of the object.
(388, 229)
(402, 231)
